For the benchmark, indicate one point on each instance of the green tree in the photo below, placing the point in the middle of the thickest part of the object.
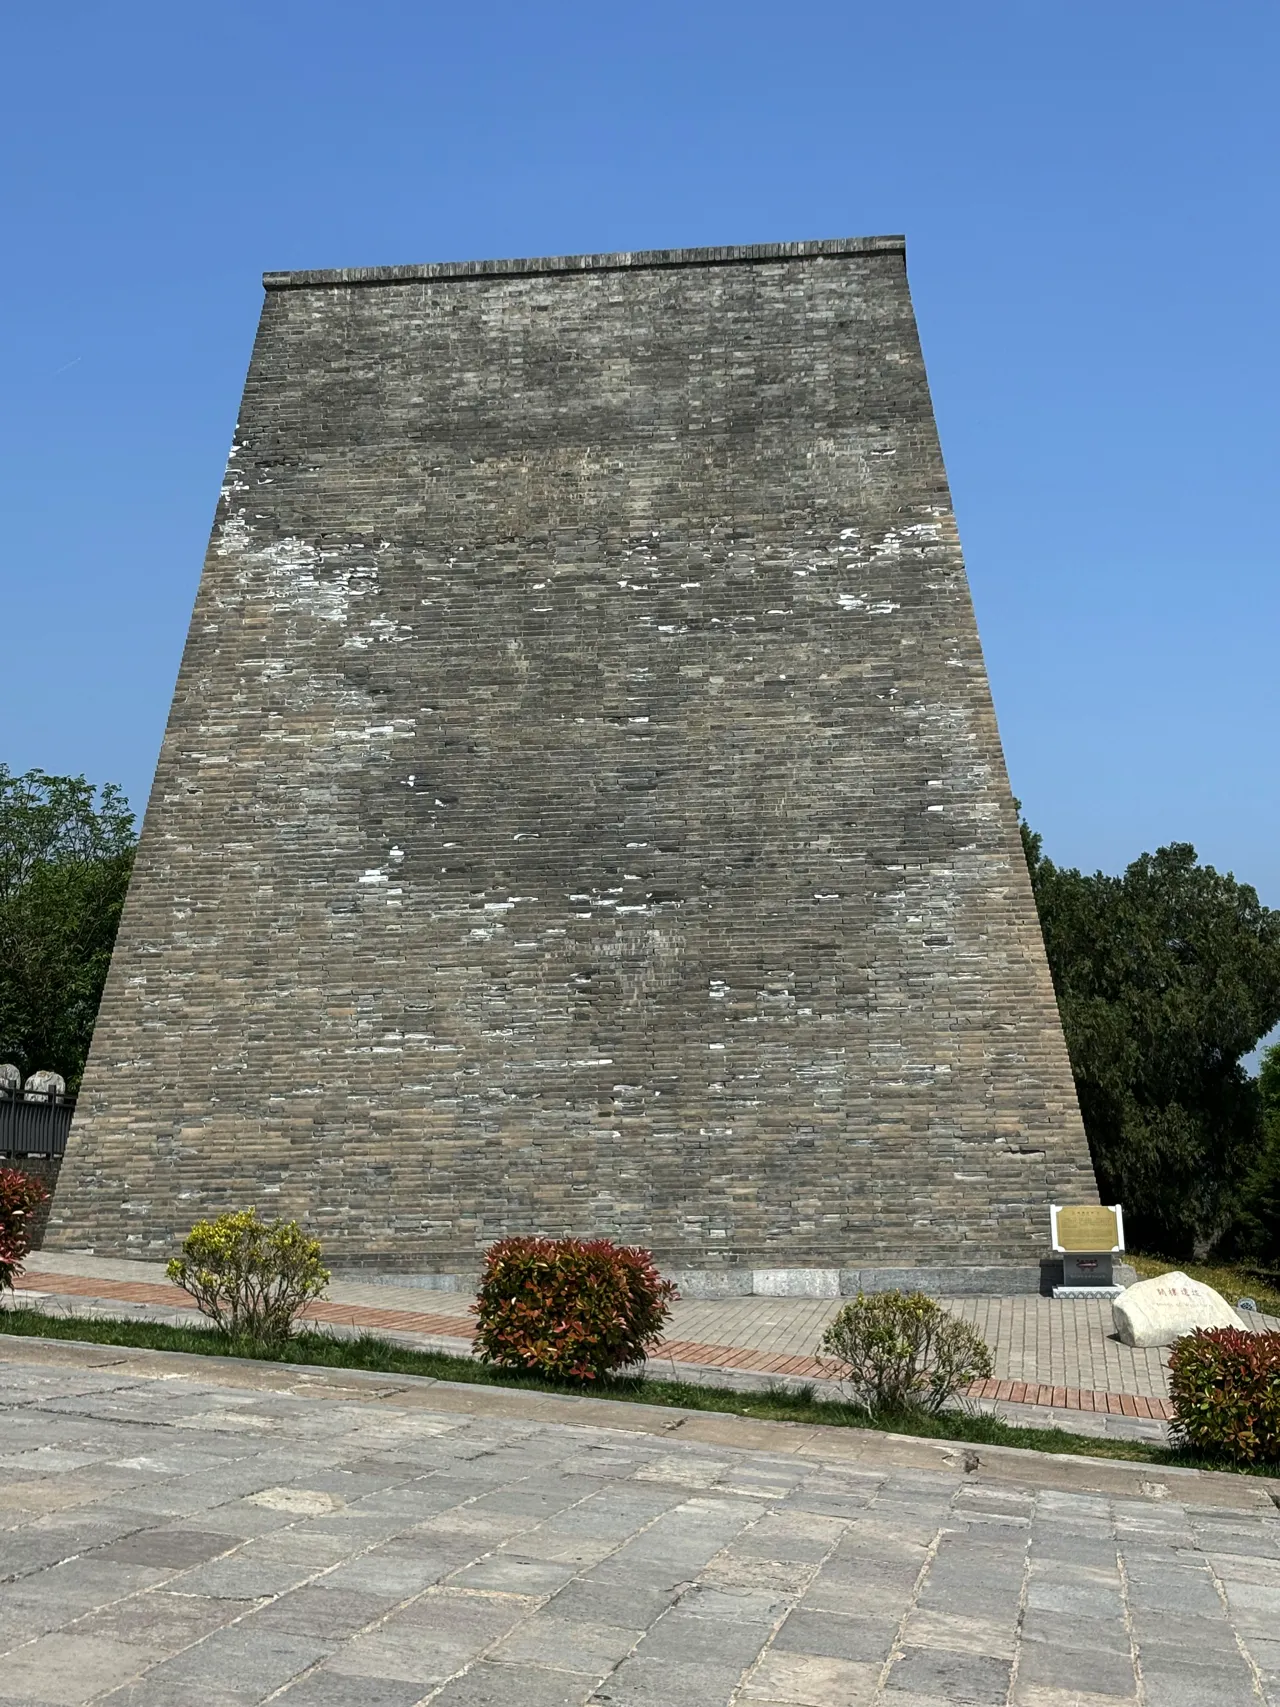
(1269, 1090)
(1166, 977)
(1261, 1219)
(66, 852)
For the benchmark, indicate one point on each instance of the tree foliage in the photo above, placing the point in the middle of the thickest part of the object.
(1166, 976)
(66, 852)
(1260, 1222)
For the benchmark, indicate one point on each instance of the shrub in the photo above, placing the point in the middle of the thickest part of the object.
(20, 1198)
(251, 1278)
(901, 1351)
(574, 1308)
(1225, 1387)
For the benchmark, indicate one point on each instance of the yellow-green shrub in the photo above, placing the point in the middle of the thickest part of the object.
(901, 1351)
(250, 1277)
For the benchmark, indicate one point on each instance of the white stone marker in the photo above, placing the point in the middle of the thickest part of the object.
(1157, 1312)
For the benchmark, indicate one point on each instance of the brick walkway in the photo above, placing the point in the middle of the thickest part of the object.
(1051, 1356)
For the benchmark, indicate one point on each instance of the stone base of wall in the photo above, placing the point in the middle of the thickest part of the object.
(998, 1280)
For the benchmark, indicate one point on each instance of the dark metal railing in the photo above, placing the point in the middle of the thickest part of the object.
(34, 1123)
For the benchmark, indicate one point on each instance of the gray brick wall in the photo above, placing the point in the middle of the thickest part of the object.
(582, 807)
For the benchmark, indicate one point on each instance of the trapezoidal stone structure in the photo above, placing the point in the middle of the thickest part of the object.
(581, 809)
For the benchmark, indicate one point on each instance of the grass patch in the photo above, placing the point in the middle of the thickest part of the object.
(1233, 1280)
(799, 1405)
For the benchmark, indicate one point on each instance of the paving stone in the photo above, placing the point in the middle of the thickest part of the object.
(1243, 1540)
(828, 1504)
(67, 1535)
(1182, 1590)
(680, 1640)
(952, 1675)
(167, 1548)
(161, 1688)
(159, 1619)
(752, 1606)
(329, 1614)
(1265, 1654)
(1049, 1695)
(644, 1682)
(1074, 1590)
(568, 1644)
(995, 1637)
(865, 1558)
(730, 1572)
(614, 1603)
(513, 1575)
(500, 1685)
(1095, 1552)
(1171, 1679)
(960, 1596)
(239, 1659)
(1250, 1603)
(71, 1669)
(325, 1688)
(812, 1680)
(861, 1597)
(359, 1527)
(240, 1578)
(400, 1568)
(301, 1546)
(1174, 1629)
(963, 1556)
(431, 1638)
(1096, 1671)
(554, 1494)
(20, 1622)
(806, 1538)
(27, 1550)
(65, 1591)
(1068, 1630)
(1244, 1567)
(833, 1635)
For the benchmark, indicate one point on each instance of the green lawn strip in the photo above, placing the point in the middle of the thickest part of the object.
(367, 1351)
(1233, 1280)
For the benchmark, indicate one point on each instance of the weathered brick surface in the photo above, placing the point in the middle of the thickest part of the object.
(582, 807)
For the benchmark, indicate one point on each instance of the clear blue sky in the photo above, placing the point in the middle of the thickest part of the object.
(1089, 196)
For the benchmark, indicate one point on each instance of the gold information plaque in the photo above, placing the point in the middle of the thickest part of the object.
(1086, 1227)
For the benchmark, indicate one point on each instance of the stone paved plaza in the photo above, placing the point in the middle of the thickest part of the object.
(206, 1533)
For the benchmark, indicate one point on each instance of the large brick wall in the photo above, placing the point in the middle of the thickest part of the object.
(582, 807)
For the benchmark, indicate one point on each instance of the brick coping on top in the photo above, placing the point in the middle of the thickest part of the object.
(686, 1352)
(624, 260)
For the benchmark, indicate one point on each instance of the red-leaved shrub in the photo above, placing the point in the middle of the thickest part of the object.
(20, 1198)
(1225, 1387)
(573, 1308)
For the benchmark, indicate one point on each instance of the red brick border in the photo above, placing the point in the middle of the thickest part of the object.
(1073, 1399)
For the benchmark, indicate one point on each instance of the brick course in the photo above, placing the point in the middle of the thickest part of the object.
(582, 808)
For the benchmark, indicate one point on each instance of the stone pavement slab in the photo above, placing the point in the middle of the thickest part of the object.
(200, 1532)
